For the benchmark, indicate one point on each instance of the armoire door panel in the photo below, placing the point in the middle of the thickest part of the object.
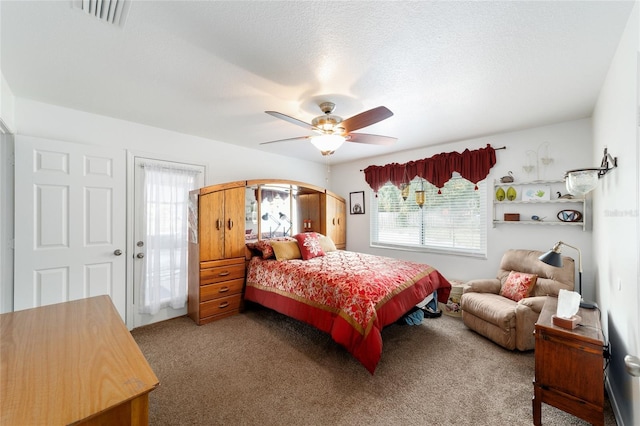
(211, 217)
(234, 222)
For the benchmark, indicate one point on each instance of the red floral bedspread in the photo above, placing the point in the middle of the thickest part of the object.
(350, 295)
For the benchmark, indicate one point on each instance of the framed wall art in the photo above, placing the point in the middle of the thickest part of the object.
(356, 202)
(536, 193)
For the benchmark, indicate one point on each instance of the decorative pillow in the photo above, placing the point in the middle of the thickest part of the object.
(309, 245)
(286, 250)
(264, 246)
(253, 249)
(326, 243)
(518, 285)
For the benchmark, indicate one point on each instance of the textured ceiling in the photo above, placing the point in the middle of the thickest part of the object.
(448, 70)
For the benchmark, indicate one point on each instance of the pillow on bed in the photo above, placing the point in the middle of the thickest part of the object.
(518, 285)
(309, 245)
(286, 250)
(264, 246)
(253, 249)
(326, 243)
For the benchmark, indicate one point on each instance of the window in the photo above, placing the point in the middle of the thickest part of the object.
(454, 221)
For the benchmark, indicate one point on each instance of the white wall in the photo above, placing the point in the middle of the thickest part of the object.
(617, 217)
(225, 162)
(7, 110)
(569, 146)
(6, 194)
(6, 221)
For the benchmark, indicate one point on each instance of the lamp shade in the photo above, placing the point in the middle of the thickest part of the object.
(327, 144)
(579, 182)
(552, 258)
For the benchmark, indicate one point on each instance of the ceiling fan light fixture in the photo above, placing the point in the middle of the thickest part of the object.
(326, 122)
(332, 131)
(327, 144)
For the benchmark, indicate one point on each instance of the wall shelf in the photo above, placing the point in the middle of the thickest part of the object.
(536, 222)
(547, 209)
(556, 201)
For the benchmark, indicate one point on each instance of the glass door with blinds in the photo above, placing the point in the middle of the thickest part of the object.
(161, 238)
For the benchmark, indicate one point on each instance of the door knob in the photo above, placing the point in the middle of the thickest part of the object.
(117, 252)
(632, 365)
(140, 255)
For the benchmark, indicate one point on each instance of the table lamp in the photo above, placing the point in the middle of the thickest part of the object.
(554, 258)
(269, 216)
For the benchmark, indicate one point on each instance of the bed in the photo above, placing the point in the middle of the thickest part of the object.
(349, 295)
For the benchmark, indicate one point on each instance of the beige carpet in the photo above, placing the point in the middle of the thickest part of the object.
(261, 368)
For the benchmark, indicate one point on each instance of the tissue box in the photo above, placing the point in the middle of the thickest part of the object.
(568, 323)
(512, 217)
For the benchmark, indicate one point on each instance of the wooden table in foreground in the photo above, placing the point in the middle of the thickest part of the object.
(569, 365)
(72, 363)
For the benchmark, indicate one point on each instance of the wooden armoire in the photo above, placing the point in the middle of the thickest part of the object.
(224, 217)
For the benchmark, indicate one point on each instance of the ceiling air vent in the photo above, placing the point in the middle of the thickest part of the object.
(109, 11)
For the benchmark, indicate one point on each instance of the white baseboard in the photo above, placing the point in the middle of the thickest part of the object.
(614, 404)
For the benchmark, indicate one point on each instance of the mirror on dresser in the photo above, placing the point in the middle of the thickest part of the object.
(281, 208)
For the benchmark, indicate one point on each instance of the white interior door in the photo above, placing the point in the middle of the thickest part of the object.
(69, 223)
(141, 241)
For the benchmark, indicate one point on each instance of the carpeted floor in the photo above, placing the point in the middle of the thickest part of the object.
(261, 368)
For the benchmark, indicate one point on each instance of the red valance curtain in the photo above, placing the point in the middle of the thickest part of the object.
(472, 165)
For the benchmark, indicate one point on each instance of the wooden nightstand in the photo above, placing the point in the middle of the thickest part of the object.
(569, 370)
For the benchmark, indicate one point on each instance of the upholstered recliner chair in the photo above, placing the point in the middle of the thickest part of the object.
(507, 322)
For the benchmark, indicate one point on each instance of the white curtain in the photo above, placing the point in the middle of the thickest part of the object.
(164, 274)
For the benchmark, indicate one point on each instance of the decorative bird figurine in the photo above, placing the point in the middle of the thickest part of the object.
(507, 179)
(567, 196)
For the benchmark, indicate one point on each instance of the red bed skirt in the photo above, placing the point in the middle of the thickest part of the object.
(365, 348)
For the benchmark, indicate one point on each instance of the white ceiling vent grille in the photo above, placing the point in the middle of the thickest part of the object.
(109, 11)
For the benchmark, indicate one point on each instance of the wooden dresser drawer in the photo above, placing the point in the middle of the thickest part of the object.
(220, 306)
(223, 289)
(222, 273)
(218, 294)
(222, 262)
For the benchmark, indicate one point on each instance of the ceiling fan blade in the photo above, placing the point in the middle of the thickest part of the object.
(366, 118)
(286, 140)
(371, 139)
(291, 120)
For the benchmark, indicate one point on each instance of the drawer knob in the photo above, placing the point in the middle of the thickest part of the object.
(223, 290)
(223, 274)
(224, 305)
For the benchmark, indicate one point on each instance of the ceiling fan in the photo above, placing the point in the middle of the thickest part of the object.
(332, 131)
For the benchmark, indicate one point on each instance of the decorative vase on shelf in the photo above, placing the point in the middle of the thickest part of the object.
(511, 193)
(500, 194)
